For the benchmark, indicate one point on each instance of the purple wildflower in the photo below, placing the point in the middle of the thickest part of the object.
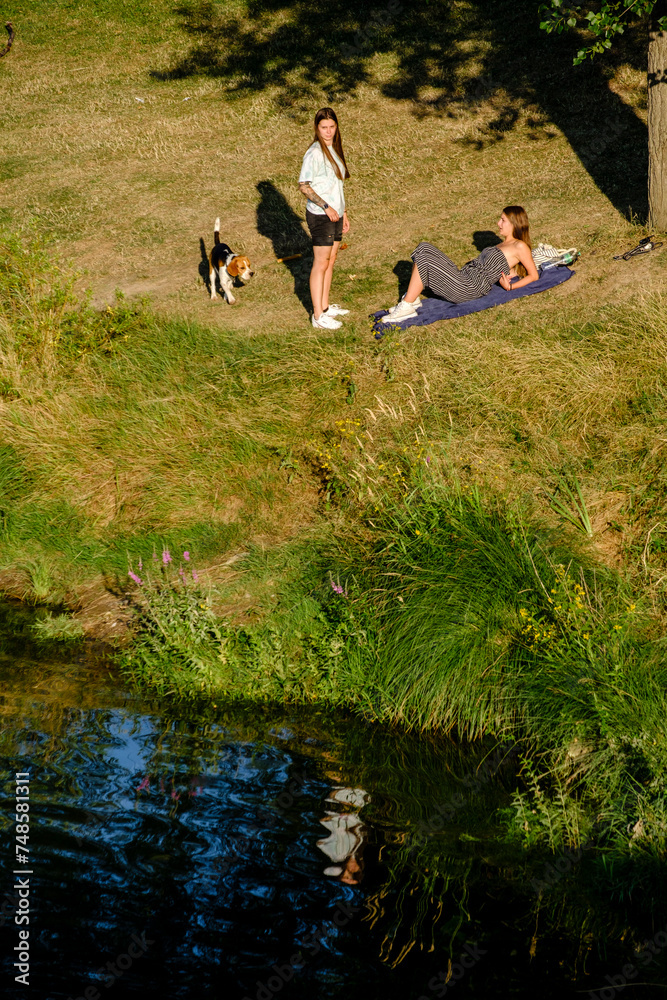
(145, 785)
(195, 576)
(137, 579)
(428, 459)
(141, 565)
(186, 556)
(166, 557)
(337, 589)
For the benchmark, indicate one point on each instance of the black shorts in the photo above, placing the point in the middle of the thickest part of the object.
(323, 231)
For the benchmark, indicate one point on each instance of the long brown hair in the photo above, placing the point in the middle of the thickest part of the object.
(520, 231)
(329, 114)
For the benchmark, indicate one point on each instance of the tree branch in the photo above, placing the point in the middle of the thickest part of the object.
(603, 20)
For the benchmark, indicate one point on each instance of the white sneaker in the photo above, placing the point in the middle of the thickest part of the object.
(417, 304)
(334, 310)
(326, 322)
(401, 311)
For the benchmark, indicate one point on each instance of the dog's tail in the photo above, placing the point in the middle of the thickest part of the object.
(216, 231)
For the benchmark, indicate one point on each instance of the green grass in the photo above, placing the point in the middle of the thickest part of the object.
(491, 625)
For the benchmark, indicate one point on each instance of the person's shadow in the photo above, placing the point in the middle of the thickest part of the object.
(279, 222)
(403, 272)
(483, 238)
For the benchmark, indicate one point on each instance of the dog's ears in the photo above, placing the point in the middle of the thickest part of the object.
(233, 267)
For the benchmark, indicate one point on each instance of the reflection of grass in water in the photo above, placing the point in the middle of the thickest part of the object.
(440, 895)
(58, 628)
(437, 901)
(419, 906)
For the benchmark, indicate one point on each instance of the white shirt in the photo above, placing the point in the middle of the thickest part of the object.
(317, 170)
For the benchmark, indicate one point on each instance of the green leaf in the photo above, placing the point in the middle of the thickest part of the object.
(571, 22)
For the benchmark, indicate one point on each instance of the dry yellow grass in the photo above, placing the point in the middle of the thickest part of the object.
(127, 189)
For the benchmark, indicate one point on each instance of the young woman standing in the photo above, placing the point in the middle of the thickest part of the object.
(321, 181)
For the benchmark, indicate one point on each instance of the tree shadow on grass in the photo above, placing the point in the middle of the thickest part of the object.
(450, 59)
(277, 220)
(298, 55)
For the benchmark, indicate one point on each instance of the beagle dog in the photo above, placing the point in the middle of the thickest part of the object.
(228, 266)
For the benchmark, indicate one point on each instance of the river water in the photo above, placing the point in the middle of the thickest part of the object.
(255, 852)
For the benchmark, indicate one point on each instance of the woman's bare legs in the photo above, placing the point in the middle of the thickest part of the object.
(321, 257)
(416, 286)
(328, 275)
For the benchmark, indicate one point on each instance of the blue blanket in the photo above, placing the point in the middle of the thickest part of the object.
(434, 309)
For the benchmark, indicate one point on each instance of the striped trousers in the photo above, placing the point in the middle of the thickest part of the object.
(439, 273)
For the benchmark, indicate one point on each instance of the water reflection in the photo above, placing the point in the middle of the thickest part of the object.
(256, 851)
(344, 844)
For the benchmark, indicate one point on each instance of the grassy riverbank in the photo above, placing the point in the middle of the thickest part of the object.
(412, 583)
(461, 527)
